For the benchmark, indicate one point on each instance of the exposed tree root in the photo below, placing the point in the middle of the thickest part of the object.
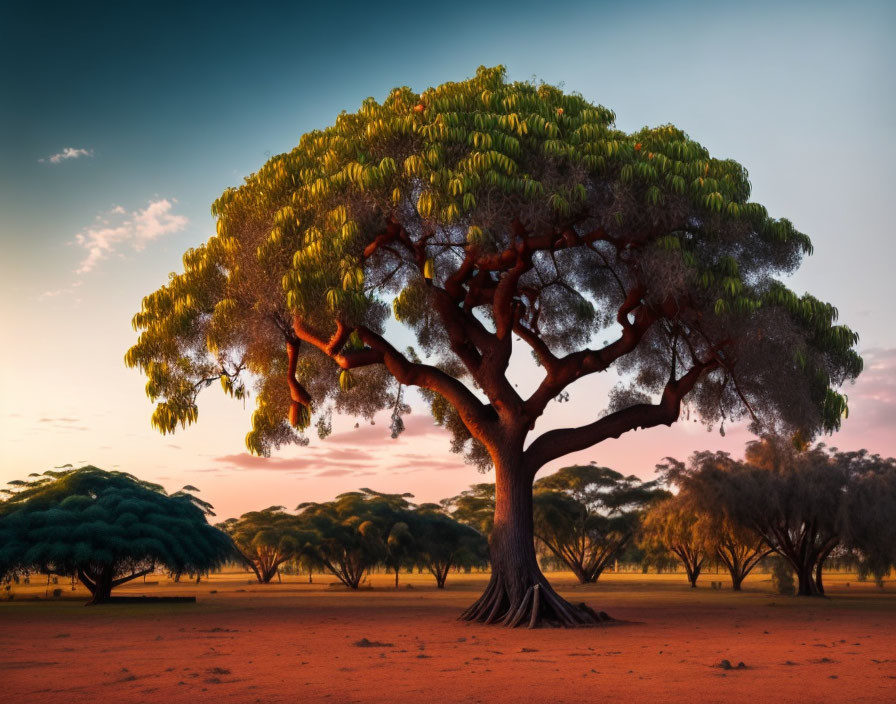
(537, 605)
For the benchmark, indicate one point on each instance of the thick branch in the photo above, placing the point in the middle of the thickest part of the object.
(128, 578)
(557, 443)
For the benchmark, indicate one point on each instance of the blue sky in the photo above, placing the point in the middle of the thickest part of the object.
(120, 123)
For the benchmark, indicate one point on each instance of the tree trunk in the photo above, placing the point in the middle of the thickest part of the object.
(518, 592)
(99, 585)
(396, 577)
(736, 581)
(805, 581)
(819, 585)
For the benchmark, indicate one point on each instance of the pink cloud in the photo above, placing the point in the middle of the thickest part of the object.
(415, 426)
(244, 460)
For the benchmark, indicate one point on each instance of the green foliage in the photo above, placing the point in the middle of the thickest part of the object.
(440, 542)
(474, 507)
(96, 522)
(587, 515)
(266, 539)
(379, 209)
(355, 531)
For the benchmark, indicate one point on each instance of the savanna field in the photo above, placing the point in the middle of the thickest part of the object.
(294, 641)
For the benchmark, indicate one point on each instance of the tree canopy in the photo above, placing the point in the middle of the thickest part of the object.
(487, 213)
(108, 527)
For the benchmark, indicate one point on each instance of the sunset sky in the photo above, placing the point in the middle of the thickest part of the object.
(120, 125)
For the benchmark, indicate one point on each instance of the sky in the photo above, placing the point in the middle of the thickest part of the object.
(120, 123)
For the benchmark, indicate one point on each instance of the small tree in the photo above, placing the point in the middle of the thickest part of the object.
(399, 547)
(441, 542)
(265, 539)
(870, 511)
(350, 534)
(674, 525)
(586, 515)
(701, 487)
(108, 527)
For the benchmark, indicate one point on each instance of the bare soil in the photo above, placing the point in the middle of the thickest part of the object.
(244, 642)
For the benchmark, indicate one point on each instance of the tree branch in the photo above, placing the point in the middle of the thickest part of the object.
(557, 443)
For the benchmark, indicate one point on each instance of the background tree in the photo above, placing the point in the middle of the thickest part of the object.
(674, 525)
(265, 539)
(794, 497)
(108, 527)
(474, 507)
(399, 548)
(870, 510)
(350, 534)
(488, 212)
(586, 515)
(703, 488)
(805, 502)
(441, 542)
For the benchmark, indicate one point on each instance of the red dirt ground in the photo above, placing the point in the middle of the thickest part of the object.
(295, 642)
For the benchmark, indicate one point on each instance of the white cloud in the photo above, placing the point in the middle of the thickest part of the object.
(117, 228)
(66, 154)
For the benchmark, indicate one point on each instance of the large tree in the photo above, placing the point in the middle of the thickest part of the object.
(495, 216)
(106, 527)
(586, 515)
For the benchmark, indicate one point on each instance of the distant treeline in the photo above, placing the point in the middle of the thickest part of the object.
(799, 507)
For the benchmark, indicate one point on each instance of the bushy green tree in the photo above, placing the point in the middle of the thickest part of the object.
(266, 539)
(586, 515)
(487, 212)
(474, 507)
(108, 527)
(870, 511)
(352, 533)
(441, 542)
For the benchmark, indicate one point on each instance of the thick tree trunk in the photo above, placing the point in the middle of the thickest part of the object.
(518, 593)
(819, 585)
(805, 581)
(99, 585)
